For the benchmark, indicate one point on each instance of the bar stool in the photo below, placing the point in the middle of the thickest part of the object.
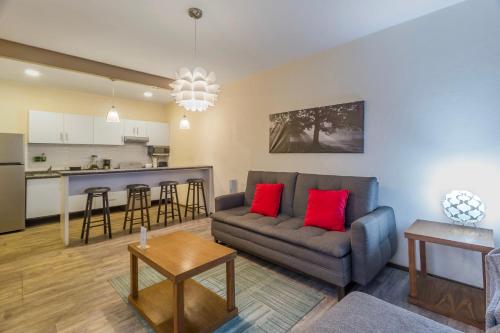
(137, 192)
(169, 188)
(96, 192)
(195, 186)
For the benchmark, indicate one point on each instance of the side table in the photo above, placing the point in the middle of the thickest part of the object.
(449, 298)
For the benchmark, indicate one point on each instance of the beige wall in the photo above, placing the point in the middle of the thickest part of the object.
(431, 88)
(17, 98)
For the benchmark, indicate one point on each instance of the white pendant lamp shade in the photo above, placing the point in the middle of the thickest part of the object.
(113, 116)
(195, 91)
(184, 124)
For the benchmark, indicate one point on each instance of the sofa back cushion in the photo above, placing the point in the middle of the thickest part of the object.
(266, 177)
(363, 193)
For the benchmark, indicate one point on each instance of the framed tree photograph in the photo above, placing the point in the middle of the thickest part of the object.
(328, 129)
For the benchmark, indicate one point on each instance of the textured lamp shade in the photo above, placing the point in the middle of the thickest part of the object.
(463, 207)
(184, 124)
(195, 91)
(113, 116)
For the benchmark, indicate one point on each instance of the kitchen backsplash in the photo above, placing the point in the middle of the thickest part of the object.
(63, 156)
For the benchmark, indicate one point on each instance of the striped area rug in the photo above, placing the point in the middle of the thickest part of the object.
(268, 299)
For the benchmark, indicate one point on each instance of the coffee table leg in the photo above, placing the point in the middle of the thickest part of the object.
(230, 286)
(178, 309)
(412, 267)
(134, 276)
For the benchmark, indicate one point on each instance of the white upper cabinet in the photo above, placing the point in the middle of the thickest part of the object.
(107, 133)
(46, 127)
(78, 129)
(158, 134)
(135, 128)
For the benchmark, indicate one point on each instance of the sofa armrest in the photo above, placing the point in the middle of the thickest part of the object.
(373, 242)
(229, 201)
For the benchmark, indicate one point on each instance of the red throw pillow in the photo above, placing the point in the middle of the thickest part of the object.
(267, 198)
(326, 209)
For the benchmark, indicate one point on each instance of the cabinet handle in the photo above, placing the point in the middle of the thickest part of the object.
(61, 137)
(66, 136)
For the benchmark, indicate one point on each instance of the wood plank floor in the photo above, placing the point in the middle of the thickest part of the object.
(45, 287)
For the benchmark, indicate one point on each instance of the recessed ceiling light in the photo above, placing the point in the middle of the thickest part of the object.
(32, 72)
(148, 94)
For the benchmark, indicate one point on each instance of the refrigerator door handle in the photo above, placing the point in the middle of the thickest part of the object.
(61, 137)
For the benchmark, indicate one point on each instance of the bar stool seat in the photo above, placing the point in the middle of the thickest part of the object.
(168, 183)
(168, 191)
(137, 192)
(92, 193)
(97, 190)
(195, 187)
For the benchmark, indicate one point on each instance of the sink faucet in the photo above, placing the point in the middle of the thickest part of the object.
(49, 169)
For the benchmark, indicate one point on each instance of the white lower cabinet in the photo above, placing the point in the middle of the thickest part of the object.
(43, 198)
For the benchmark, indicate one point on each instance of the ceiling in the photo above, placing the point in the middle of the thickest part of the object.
(235, 39)
(13, 70)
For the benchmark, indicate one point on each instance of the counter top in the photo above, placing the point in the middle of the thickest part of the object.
(41, 174)
(111, 171)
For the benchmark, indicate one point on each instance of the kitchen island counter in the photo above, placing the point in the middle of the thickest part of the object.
(74, 183)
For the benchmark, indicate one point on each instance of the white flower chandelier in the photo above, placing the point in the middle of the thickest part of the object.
(196, 90)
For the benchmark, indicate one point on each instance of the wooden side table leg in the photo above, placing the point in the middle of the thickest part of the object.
(178, 307)
(412, 267)
(423, 259)
(483, 260)
(134, 276)
(230, 286)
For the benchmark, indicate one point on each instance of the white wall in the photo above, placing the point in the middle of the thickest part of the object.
(432, 118)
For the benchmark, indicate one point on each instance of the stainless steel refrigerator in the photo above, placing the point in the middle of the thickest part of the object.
(12, 183)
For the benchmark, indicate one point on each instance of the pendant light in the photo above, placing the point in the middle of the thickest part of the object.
(195, 90)
(113, 116)
(184, 124)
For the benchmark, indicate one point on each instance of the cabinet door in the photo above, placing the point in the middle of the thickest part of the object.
(142, 128)
(45, 127)
(158, 133)
(130, 127)
(78, 129)
(107, 133)
(43, 197)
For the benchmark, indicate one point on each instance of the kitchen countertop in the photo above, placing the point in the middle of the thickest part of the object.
(42, 174)
(111, 171)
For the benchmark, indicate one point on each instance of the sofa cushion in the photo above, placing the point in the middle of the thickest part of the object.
(265, 177)
(363, 193)
(360, 313)
(326, 209)
(283, 227)
(266, 199)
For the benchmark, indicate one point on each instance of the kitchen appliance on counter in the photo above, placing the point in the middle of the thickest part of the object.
(106, 163)
(12, 183)
(159, 155)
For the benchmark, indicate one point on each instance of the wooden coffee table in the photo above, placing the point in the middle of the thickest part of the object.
(450, 298)
(180, 304)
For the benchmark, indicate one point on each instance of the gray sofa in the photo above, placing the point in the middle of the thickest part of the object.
(336, 257)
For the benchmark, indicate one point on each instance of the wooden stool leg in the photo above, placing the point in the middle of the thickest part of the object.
(159, 205)
(204, 200)
(172, 215)
(147, 209)
(165, 206)
(194, 201)
(85, 217)
(132, 212)
(187, 201)
(89, 218)
(108, 214)
(177, 203)
(126, 211)
(198, 198)
(104, 220)
(142, 207)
